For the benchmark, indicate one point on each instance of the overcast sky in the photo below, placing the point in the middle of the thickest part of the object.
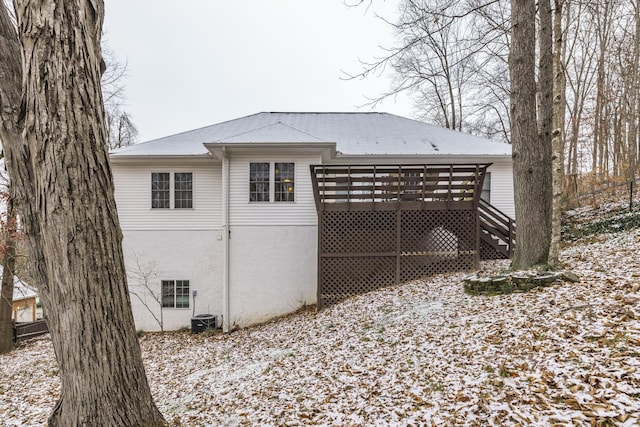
(196, 63)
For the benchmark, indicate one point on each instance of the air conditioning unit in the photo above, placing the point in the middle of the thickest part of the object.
(202, 322)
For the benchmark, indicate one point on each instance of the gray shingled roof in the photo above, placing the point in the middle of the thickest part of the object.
(20, 289)
(353, 133)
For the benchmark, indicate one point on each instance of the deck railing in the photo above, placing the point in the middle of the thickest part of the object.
(380, 184)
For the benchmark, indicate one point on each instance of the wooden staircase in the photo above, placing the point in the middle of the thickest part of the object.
(497, 232)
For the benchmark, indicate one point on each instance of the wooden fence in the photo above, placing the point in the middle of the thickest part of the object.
(26, 330)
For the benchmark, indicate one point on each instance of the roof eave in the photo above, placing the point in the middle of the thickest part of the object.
(222, 149)
(122, 158)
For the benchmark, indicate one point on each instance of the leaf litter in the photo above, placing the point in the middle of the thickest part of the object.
(418, 354)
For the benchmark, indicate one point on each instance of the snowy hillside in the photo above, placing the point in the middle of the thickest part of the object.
(419, 354)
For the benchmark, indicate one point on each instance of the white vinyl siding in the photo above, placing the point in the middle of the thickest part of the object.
(502, 187)
(302, 211)
(133, 197)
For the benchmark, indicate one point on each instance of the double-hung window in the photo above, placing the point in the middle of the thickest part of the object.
(183, 190)
(160, 190)
(259, 182)
(262, 174)
(171, 190)
(175, 293)
(283, 179)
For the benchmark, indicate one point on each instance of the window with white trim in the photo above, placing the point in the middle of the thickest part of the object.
(160, 190)
(183, 190)
(171, 190)
(175, 293)
(261, 174)
(259, 182)
(284, 175)
(486, 188)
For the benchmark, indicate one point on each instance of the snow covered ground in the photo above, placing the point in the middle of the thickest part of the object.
(423, 353)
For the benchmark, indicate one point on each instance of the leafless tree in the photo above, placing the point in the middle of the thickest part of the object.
(558, 131)
(8, 253)
(121, 129)
(452, 57)
(144, 286)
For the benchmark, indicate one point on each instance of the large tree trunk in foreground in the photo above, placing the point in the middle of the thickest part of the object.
(531, 160)
(8, 269)
(63, 188)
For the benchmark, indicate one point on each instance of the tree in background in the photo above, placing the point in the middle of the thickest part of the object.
(454, 52)
(121, 129)
(9, 97)
(55, 140)
(452, 59)
(8, 255)
(557, 132)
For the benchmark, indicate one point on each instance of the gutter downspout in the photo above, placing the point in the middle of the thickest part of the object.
(226, 236)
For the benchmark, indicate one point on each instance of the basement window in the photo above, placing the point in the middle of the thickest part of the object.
(175, 293)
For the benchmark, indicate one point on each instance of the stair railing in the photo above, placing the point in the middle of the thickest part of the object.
(497, 224)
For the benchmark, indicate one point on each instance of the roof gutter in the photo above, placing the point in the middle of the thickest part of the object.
(125, 158)
(418, 158)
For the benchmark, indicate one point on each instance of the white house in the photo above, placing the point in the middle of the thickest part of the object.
(25, 299)
(223, 220)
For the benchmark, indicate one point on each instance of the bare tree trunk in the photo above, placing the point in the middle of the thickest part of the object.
(63, 187)
(6, 297)
(531, 161)
(634, 88)
(557, 141)
(9, 132)
(604, 31)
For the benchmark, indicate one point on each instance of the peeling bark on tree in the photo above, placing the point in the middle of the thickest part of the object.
(531, 159)
(55, 144)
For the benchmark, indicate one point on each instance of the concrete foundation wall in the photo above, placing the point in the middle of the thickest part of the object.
(273, 271)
